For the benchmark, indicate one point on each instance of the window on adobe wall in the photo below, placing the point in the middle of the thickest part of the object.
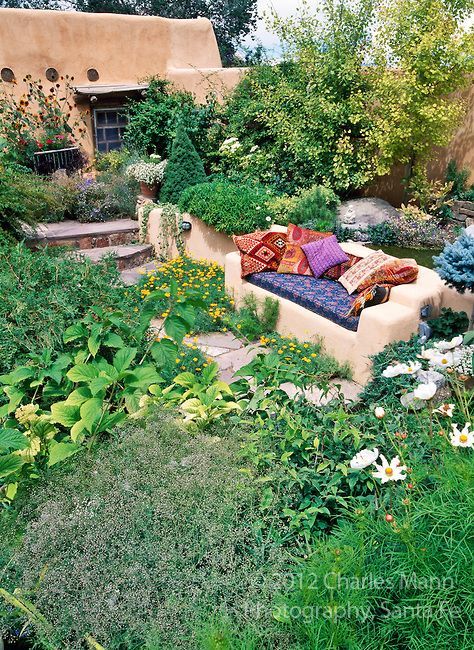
(109, 126)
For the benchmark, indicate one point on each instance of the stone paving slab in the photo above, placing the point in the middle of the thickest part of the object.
(133, 276)
(74, 229)
(220, 340)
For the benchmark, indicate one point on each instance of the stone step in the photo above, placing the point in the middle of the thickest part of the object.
(136, 273)
(127, 256)
(85, 235)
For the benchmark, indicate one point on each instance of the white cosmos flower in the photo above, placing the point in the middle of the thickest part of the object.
(425, 391)
(392, 471)
(445, 409)
(444, 346)
(428, 354)
(395, 370)
(379, 412)
(442, 360)
(412, 367)
(464, 438)
(364, 458)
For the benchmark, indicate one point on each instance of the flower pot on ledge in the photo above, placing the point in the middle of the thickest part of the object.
(148, 191)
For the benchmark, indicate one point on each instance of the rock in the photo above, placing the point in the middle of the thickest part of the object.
(358, 214)
(428, 376)
(470, 227)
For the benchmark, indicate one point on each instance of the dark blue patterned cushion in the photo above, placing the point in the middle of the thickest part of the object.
(324, 297)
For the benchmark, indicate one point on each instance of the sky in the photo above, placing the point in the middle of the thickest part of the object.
(284, 8)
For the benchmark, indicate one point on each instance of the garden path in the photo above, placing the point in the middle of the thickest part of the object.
(231, 354)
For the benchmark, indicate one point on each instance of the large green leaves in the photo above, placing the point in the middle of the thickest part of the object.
(65, 414)
(9, 464)
(82, 372)
(123, 359)
(59, 451)
(12, 439)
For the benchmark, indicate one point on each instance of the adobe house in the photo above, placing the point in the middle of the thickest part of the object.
(110, 56)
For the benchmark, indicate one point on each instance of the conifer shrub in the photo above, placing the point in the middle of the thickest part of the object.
(184, 168)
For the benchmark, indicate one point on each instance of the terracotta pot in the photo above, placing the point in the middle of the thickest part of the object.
(148, 191)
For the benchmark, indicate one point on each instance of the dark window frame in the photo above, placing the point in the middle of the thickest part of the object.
(102, 144)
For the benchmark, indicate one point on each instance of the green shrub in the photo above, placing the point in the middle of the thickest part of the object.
(184, 168)
(383, 233)
(227, 207)
(152, 121)
(255, 318)
(43, 292)
(448, 324)
(26, 198)
(144, 538)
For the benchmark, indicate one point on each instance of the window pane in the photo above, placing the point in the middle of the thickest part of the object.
(112, 134)
(100, 117)
(112, 117)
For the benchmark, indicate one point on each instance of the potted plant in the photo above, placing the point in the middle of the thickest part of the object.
(149, 173)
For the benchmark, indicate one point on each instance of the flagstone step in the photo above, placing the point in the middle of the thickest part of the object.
(127, 256)
(133, 275)
(86, 235)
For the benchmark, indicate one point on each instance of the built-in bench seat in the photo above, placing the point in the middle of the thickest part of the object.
(327, 298)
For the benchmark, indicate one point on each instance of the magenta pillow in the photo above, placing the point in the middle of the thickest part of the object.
(323, 254)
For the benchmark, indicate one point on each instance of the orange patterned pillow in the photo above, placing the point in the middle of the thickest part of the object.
(394, 272)
(260, 250)
(294, 260)
(354, 277)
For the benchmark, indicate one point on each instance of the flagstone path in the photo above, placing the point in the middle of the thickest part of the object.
(231, 354)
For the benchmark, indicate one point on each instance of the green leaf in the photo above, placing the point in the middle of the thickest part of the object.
(99, 384)
(132, 401)
(79, 396)
(142, 377)
(59, 451)
(78, 431)
(111, 420)
(187, 312)
(91, 412)
(113, 341)
(468, 338)
(164, 352)
(65, 414)
(76, 331)
(123, 358)
(13, 439)
(20, 374)
(176, 327)
(93, 344)
(82, 372)
(9, 464)
(185, 379)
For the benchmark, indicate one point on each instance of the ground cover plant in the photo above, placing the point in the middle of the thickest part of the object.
(163, 534)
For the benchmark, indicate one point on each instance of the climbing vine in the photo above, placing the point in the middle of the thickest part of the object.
(170, 228)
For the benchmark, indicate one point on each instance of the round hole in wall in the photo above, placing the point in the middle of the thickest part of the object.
(92, 74)
(7, 74)
(52, 74)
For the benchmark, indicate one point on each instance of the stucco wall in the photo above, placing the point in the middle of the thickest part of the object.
(123, 49)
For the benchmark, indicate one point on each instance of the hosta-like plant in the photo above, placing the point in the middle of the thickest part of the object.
(53, 406)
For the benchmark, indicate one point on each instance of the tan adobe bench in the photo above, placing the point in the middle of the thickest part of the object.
(377, 326)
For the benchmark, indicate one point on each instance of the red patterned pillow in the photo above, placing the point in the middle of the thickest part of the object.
(394, 272)
(335, 272)
(260, 250)
(294, 260)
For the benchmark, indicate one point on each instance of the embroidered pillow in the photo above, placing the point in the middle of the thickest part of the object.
(324, 254)
(294, 260)
(374, 295)
(260, 250)
(393, 273)
(336, 271)
(356, 275)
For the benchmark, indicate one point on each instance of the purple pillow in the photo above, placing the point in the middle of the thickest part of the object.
(323, 254)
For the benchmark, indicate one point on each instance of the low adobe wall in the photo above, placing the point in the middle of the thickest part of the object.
(201, 242)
